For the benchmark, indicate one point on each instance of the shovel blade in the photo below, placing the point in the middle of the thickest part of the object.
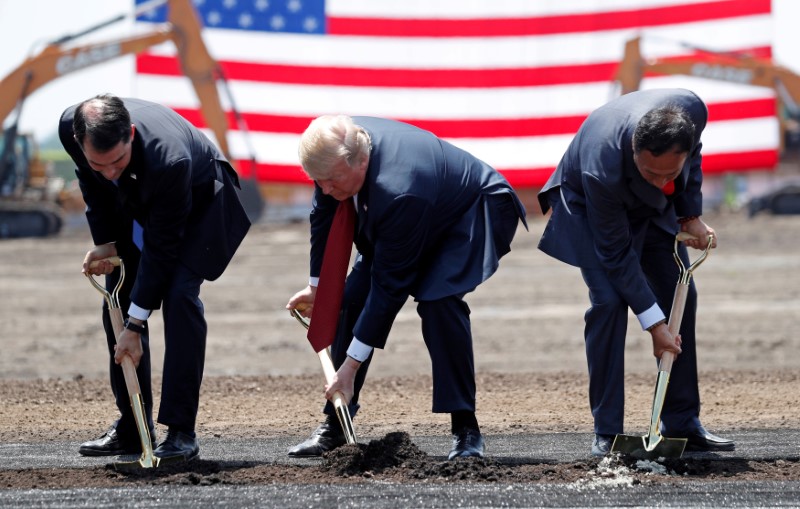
(143, 463)
(636, 447)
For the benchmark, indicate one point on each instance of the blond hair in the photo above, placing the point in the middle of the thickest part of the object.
(329, 140)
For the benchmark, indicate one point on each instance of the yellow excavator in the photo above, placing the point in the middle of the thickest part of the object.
(28, 201)
(728, 67)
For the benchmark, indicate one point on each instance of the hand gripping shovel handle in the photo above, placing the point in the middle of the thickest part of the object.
(148, 459)
(339, 404)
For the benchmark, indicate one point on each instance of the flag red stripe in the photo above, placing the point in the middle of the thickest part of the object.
(468, 128)
(482, 128)
(402, 78)
(535, 177)
(765, 160)
(545, 25)
(741, 110)
(159, 65)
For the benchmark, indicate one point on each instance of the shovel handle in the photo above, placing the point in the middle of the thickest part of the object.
(128, 368)
(675, 319)
(148, 459)
(342, 410)
(679, 300)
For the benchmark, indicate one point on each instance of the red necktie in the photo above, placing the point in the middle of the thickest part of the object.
(335, 260)
(669, 188)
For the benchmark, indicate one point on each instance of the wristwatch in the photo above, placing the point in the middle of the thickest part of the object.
(135, 327)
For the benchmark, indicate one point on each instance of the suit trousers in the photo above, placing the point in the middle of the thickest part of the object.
(185, 332)
(447, 333)
(605, 331)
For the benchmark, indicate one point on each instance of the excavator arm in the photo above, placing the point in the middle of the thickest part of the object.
(730, 68)
(60, 57)
(182, 28)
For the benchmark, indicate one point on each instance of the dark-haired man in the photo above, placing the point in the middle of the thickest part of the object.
(159, 194)
(627, 183)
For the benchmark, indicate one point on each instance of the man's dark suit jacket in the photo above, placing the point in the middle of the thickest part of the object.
(178, 186)
(424, 222)
(601, 204)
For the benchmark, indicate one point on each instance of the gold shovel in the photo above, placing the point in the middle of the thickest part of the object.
(653, 445)
(148, 459)
(339, 403)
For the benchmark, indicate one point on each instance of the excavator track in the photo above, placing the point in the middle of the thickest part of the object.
(21, 219)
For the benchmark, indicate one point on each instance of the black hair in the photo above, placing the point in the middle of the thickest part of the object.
(664, 129)
(103, 120)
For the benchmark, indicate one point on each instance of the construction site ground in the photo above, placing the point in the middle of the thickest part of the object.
(263, 387)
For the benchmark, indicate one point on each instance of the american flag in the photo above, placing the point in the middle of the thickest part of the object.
(508, 80)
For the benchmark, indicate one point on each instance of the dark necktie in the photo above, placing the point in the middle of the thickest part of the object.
(138, 231)
(335, 260)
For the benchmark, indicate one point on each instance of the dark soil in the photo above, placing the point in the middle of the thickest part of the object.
(395, 458)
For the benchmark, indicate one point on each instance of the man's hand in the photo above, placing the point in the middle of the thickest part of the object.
(303, 301)
(343, 380)
(664, 342)
(128, 343)
(100, 252)
(699, 229)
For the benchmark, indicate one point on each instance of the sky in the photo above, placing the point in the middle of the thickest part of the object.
(20, 35)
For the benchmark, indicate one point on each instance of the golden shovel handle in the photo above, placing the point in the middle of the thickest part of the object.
(675, 320)
(112, 297)
(685, 274)
(147, 459)
(681, 292)
(339, 404)
(300, 318)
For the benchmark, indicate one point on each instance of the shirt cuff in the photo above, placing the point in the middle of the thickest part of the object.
(651, 316)
(313, 281)
(138, 313)
(358, 350)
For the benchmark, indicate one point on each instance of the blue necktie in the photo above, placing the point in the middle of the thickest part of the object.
(138, 231)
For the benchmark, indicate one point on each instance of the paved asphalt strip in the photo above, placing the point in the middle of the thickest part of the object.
(557, 447)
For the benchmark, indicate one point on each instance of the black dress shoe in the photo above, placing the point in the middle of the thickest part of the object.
(111, 443)
(177, 447)
(602, 444)
(467, 443)
(702, 440)
(326, 437)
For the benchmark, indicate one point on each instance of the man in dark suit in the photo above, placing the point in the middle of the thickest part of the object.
(627, 183)
(159, 194)
(433, 222)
